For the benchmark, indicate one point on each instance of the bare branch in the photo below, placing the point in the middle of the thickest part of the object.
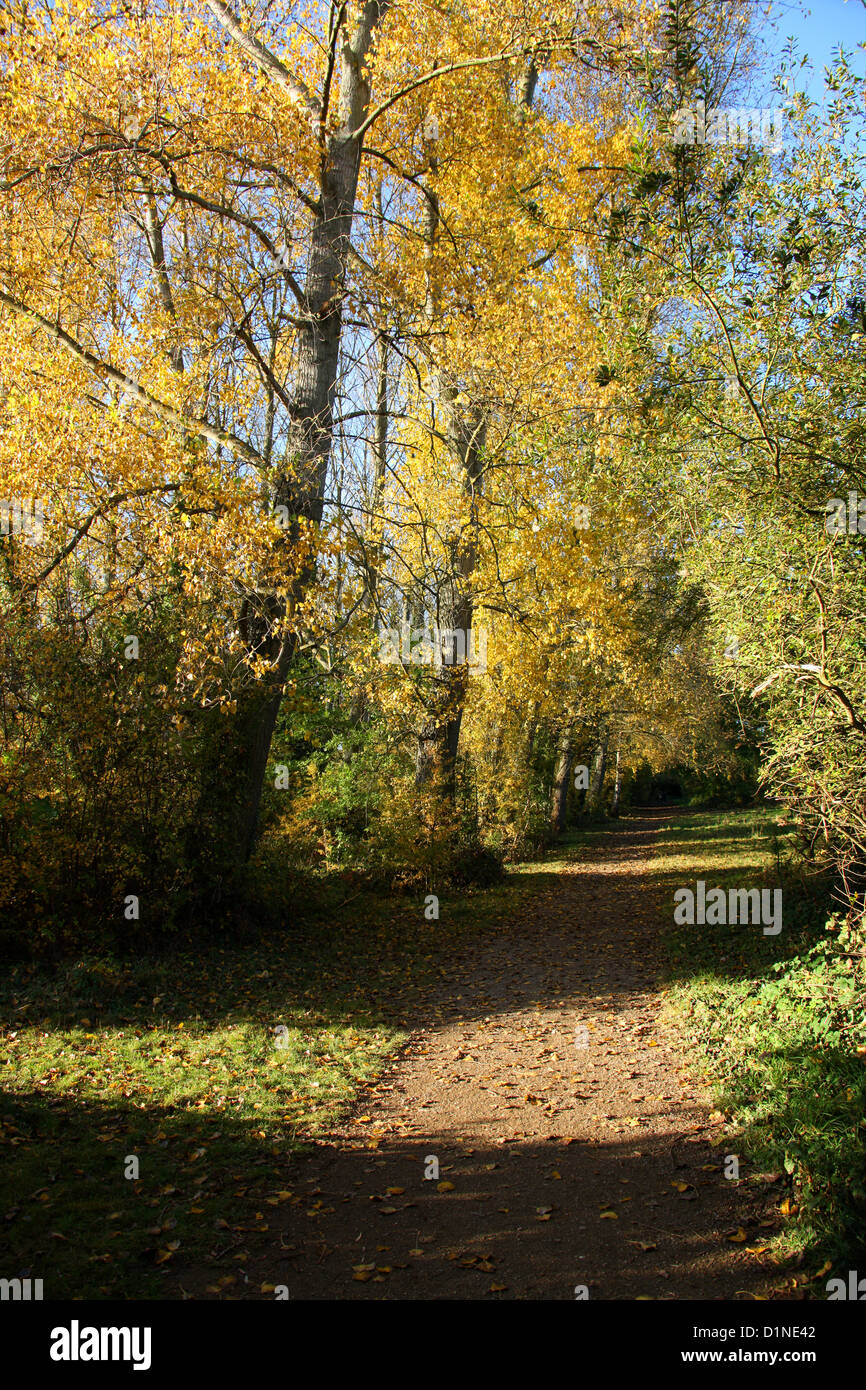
(297, 91)
(188, 424)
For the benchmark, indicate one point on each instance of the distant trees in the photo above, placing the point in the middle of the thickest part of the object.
(319, 326)
(752, 425)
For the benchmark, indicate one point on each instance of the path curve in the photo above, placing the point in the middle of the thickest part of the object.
(572, 1134)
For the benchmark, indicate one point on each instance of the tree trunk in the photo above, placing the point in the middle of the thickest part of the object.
(498, 748)
(617, 786)
(300, 485)
(465, 431)
(531, 731)
(559, 800)
(440, 736)
(596, 776)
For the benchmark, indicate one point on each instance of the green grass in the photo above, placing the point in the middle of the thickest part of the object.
(174, 1060)
(779, 1023)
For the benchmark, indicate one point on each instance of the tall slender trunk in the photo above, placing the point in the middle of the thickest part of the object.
(498, 747)
(440, 736)
(531, 731)
(617, 785)
(300, 483)
(562, 772)
(379, 450)
(596, 776)
(465, 433)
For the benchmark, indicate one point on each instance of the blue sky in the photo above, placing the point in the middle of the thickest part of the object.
(819, 26)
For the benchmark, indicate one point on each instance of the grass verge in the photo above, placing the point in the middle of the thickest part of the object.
(203, 1073)
(780, 1026)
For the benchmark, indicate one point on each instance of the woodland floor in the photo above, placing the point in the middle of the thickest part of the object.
(560, 1165)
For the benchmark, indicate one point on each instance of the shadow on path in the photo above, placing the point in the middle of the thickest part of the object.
(573, 1141)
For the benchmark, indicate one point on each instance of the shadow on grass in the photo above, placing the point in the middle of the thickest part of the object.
(214, 1168)
(780, 1020)
(214, 1213)
(174, 1059)
(76, 1220)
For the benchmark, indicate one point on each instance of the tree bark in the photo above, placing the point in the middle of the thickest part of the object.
(465, 431)
(596, 776)
(531, 731)
(559, 800)
(440, 736)
(617, 786)
(300, 483)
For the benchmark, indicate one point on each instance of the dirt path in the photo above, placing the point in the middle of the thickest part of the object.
(572, 1140)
